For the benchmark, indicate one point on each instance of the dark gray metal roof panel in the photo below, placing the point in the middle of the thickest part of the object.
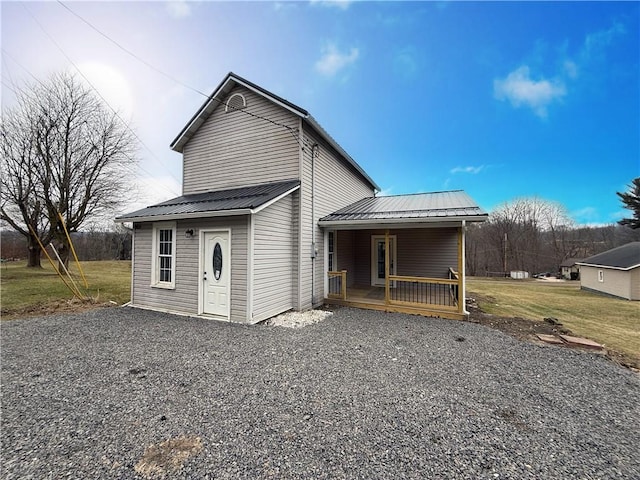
(420, 205)
(624, 257)
(242, 198)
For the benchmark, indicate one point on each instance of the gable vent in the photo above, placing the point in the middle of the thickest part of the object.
(235, 102)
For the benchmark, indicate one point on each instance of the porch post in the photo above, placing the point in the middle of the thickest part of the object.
(461, 293)
(386, 267)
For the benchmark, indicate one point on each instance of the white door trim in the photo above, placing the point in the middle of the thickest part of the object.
(201, 260)
(394, 258)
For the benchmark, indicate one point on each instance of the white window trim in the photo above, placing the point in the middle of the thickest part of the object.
(155, 259)
(332, 253)
(601, 276)
(394, 258)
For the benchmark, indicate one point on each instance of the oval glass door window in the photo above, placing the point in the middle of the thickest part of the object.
(217, 261)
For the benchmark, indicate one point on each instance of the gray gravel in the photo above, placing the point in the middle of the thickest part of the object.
(361, 395)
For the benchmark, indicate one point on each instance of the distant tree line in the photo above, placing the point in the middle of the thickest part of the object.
(536, 236)
(92, 245)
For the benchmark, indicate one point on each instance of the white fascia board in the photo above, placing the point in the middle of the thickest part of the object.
(271, 202)
(397, 223)
(595, 265)
(183, 216)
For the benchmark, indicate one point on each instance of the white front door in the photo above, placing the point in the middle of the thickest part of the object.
(216, 274)
(378, 258)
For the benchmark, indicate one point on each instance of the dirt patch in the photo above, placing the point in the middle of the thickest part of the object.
(167, 457)
(73, 305)
(526, 330)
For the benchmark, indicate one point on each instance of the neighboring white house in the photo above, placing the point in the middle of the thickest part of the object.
(569, 269)
(614, 272)
(275, 216)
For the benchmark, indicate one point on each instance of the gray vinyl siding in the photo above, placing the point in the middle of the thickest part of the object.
(619, 283)
(234, 149)
(184, 298)
(337, 185)
(425, 252)
(273, 257)
(428, 252)
(344, 254)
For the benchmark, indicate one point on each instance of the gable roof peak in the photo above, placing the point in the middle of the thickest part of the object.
(230, 81)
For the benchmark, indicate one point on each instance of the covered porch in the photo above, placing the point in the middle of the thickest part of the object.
(400, 254)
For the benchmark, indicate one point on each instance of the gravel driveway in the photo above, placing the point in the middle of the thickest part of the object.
(361, 395)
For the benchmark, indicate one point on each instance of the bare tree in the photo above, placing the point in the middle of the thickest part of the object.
(528, 234)
(62, 152)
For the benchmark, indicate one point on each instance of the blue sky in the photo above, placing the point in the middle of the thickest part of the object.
(503, 100)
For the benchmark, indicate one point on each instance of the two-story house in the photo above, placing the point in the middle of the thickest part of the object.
(275, 216)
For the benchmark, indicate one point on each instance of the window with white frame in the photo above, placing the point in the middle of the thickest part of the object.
(163, 266)
(600, 276)
(330, 251)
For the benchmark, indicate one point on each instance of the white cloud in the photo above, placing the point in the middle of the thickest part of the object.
(385, 192)
(153, 190)
(595, 43)
(178, 8)
(406, 62)
(111, 85)
(471, 170)
(570, 69)
(520, 89)
(332, 60)
(341, 4)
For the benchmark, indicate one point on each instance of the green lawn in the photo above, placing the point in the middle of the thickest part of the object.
(25, 289)
(610, 321)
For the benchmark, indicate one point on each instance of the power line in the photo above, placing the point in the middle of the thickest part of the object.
(103, 99)
(172, 78)
(161, 72)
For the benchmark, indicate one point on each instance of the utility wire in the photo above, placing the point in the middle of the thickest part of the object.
(103, 99)
(174, 79)
(161, 72)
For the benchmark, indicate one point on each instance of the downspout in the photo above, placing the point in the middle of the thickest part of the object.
(314, 249)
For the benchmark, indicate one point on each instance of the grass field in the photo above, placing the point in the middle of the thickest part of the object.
(610, 321)
(25, 289)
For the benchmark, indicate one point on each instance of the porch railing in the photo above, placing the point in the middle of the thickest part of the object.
(338, 284)
(423, 291)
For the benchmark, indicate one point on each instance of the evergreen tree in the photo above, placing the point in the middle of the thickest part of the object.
(631, 200)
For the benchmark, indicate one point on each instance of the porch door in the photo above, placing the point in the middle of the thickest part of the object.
(216, 274)
(378, 258)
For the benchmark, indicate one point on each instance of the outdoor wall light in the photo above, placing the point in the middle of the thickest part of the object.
(188, 233)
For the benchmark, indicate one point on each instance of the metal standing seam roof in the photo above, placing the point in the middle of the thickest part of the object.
(243, 198)
(434, 206)
(624, 257)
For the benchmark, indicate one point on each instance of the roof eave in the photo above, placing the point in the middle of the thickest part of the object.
(184, 216)
(399, 222)
(596, 265)
(325, 136)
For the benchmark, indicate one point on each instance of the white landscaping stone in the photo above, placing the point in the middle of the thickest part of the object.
(298, 319)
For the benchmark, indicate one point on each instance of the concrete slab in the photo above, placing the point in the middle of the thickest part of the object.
(581, 342)
(553, 339)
